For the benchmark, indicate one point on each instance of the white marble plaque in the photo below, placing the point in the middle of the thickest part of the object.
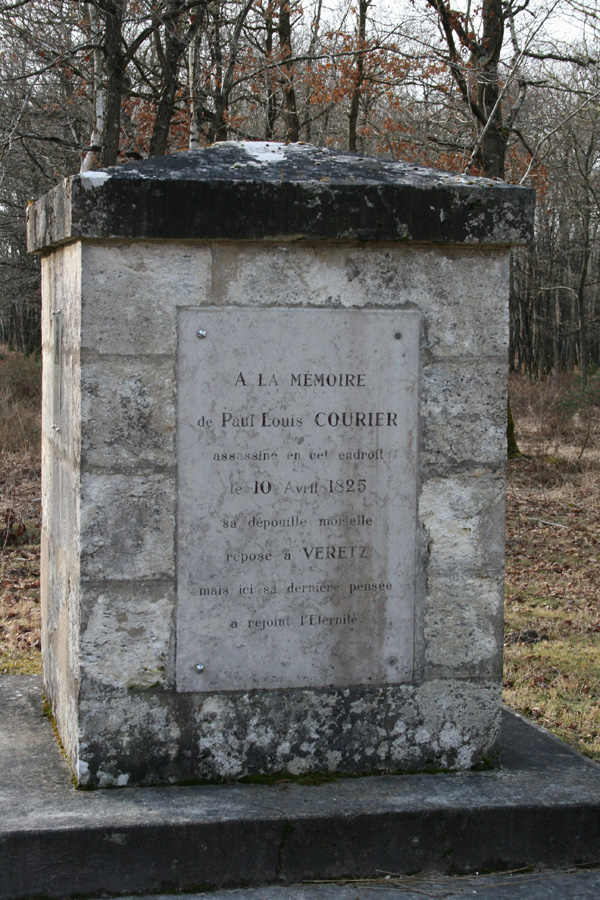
(297, 481)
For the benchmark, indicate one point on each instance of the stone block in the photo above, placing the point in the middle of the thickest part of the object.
(463, 516)
(443, 723)
(61, 289)
(60, 504)
(125, 634)
(463, 414)
(127, 526)
(128, 413)
(283, 275)
(457, 294)
(463, 626)
(251, 191)
(60, 639)
(459, 291)
(61, 408)
(130, 295)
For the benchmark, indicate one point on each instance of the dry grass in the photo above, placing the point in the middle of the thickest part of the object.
(20, 564)
(552, 654)
(552, 645)
(20, 396)
(20, 392)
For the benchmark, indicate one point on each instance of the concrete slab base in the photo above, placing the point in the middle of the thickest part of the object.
(550, 884)
(541, 809)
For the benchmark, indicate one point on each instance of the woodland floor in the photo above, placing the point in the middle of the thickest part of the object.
(552, 633)
(20, 514)
(552, 596)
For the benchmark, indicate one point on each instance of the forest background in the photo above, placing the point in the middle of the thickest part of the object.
(505, 88)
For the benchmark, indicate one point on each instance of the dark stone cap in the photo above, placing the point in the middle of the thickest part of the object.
(268, 191)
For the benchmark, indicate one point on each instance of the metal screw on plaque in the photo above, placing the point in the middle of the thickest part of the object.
(392, 661)
(201, 333)
(398, 336)
(199, 668)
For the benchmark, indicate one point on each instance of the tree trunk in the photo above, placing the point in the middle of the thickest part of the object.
(93, 154)
(581, 310)
(290, 111)
(171, 55)
(225, 82)
(512, 447)
(314, 35)
(492, 153)
(359, 74)
(269, 87)
(194, 141)
(114, 67)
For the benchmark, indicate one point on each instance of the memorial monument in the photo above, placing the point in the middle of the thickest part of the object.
(274, 419)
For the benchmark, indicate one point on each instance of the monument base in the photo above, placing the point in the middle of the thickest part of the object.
(541, 808)
(440, 725)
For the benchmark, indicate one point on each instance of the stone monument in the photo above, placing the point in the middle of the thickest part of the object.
(274, 423)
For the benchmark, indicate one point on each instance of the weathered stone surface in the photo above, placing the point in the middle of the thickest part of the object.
(542, 806)
(127, 526)
(441, 723)
(460, 291)
(463, 516)
(463, 629)
(60, 545)
(131, 291)
(253, 191)
(60, 508)
(125, 635)
(128, 412)
(463, 414)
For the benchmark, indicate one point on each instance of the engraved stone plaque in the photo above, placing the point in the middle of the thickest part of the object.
(297, 482)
